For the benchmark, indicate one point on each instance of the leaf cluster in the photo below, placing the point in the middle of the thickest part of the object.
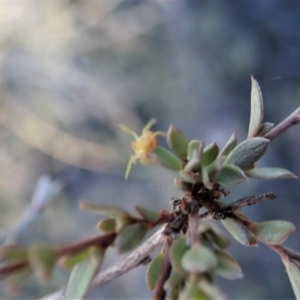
(194, 251)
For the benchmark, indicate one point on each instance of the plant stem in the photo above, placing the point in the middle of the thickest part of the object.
(284, 251)
(159, 291)
(101, 241)
(131, 261)
(120, 268)
(291, 120)
(12, 268)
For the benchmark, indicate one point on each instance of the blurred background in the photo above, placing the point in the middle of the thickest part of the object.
(69, 70)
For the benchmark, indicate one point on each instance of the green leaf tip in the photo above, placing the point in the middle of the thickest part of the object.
(177, 250)
(154, 270)
(42, 259)
(257, 109)
(227, 266)
(293, 271)
(130, 236)
(229, 146)
(177, 141)
(239, 231)
(210, 153)
(199, 259)
(148, 214)
(167, 158)
(83, 273)
(230, 175)
(273, 232)
(245, 154)
(269, 173)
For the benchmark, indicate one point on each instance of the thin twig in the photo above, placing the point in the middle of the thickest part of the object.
(12, 268)
(192, 229)
(291, 120)
(284, 251)
(225, 210)
(123, 266)
(131, 261)
(250, 200)
(101, 241)
(159, 291)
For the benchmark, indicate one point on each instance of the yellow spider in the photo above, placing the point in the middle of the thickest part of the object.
(142, 145)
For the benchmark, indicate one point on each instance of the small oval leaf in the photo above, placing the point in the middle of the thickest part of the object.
(177, 141)
(216, 166)
(293, 271)
(167, 158)
(131, 236)
(195, 149)
(105, 210)
(107, 225)
(154, 270)
(177, 250)
(42, 260)
(228, 266)
(191, 291)
(269, 173)
(229, 146)
(122, 217)
(199, 259)
(69, 261)
(265, 128)
(257, 109)
(218, 239)
(239, 231)
(147, 214)
(230, 175)
(273, 232)
(210, 153)
(174, 280)
(247, 153)
(83, 274)
(211, 290)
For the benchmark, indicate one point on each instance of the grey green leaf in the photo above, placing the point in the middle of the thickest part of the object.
(273, 232)
(42, 260)
(131, 236)
(177, 250)
(228, 266)
(148, 214)
(82, 275)
(199, 259)
(239, 231)
(247, 152)
(229, 146)
(230, 175)
(153, 270)
(257, 109)
(269, 173)
(167, 158)
(293, 271)
(177, 141)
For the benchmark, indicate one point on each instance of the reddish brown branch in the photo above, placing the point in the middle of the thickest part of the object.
(7, 270)
(291, 120)
(284, 251)
(159, 291)
(103, 241)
